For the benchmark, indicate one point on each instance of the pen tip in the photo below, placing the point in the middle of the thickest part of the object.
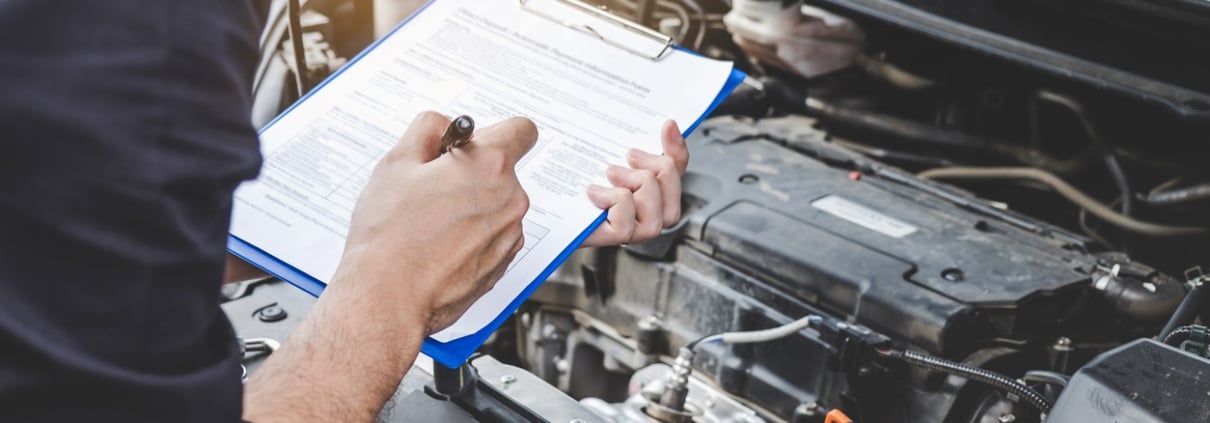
(464, 122)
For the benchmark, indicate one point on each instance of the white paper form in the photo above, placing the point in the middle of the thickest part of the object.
(489, 59)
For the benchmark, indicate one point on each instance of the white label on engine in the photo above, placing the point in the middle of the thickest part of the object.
(864, 216)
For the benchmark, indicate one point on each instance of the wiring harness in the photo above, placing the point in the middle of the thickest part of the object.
(954, 368)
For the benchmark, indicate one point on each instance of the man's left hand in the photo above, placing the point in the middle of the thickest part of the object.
(645, 198)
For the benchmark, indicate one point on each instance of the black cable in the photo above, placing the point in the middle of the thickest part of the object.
(294, 9)
(693, 344)
(1185, 312)
(933, 136)
(1111, 160)
(701, 23)
(975, 374)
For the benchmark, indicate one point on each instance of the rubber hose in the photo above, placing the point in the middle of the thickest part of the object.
(976, 374)
(1180, 196)
(1185, 312)
(1064, 189)
(1178, 335)
(1131, 298)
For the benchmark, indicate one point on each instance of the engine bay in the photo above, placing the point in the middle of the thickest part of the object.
(912, 211)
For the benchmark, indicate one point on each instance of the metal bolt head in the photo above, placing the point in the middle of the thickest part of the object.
(1006, 418)
(807, 409)
(953, 274)
(271, 313)
(1063, 344)
(649, 323)
(508, 379)
(549, 331)
(577, 421)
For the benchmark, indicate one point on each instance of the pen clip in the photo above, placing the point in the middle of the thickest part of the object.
(662, 44)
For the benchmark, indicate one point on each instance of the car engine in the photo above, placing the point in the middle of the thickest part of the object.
(912, 211)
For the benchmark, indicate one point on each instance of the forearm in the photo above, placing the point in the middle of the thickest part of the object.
(347, 358)
(341, 364)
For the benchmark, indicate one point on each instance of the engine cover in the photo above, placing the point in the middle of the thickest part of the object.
(904, 262)
(776, 226)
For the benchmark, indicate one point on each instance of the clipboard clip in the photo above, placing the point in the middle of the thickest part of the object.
(661, 44)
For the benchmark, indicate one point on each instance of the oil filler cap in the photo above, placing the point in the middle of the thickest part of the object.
(271, 313)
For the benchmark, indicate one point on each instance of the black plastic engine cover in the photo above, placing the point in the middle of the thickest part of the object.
(772, 232)
(1143, 382)
(901, 261)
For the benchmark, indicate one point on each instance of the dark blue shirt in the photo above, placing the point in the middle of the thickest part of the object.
(124, 129)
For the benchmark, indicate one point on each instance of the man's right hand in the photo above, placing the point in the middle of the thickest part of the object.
(430, 234)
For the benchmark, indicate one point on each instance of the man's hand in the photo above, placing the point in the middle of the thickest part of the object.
(646, 198)
(435, 233)
(429, 235)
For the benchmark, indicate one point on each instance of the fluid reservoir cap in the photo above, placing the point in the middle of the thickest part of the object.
(271, 313)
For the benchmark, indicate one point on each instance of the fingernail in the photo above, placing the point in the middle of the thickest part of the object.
(615, 170)
(595, 189)
(636, 154)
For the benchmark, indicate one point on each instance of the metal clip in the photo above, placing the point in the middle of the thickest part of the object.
(1194, 277)
(663, 42)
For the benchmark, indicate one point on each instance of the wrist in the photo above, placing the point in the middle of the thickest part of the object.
(384, 298)
(346, 358)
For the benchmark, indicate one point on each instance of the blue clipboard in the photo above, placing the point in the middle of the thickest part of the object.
(456, 352)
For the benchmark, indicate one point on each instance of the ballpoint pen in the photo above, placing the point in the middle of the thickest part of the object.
(458, 133)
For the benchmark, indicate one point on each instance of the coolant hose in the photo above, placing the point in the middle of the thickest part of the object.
(1185, 312)
(1150, 300)
(976, 374)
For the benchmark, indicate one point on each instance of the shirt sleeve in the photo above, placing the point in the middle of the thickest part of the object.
(124, 129)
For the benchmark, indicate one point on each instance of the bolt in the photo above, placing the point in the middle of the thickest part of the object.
(549, 331)
(953, 274)
(577, 421)
(271, 313)
(1006, 418)
(807, 409)
(507, 379)
(1063, 343)
(649, 323)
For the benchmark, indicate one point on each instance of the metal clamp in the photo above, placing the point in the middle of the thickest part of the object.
(662, 41)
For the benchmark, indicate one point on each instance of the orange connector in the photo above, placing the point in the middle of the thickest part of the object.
(837, 416)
